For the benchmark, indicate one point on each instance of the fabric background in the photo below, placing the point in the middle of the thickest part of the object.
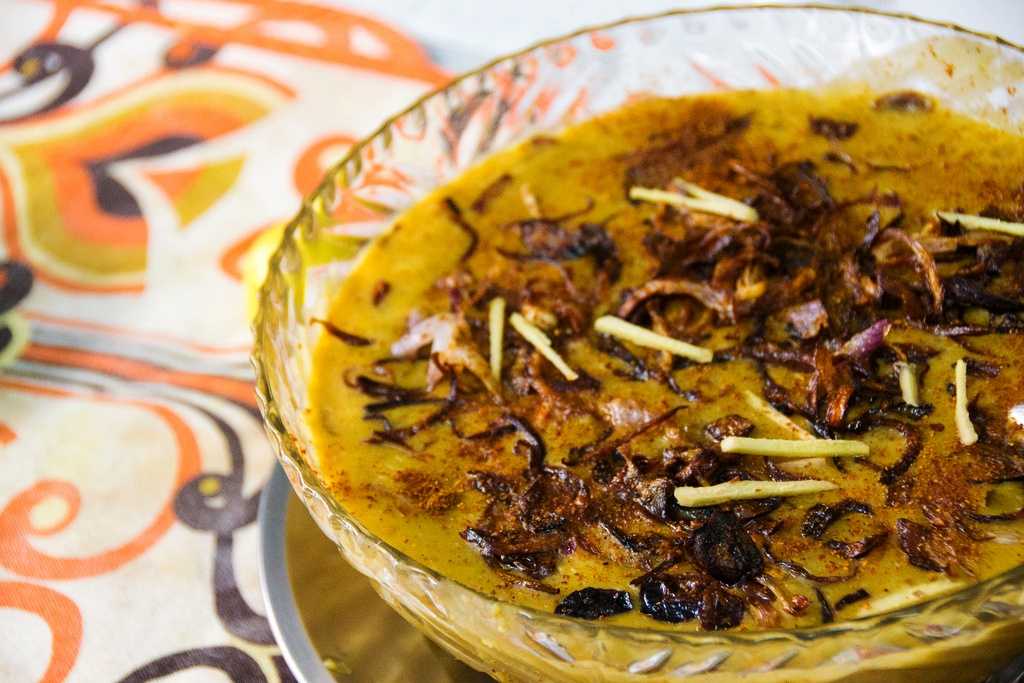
(460, 34)
(143, 145)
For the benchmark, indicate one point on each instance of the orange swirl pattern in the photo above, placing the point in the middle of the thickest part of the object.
(7, 434)
(72, 223)
(62, 617)
(16, 525)
(137, 141)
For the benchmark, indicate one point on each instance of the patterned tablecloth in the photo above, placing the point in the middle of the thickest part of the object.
(143, 145)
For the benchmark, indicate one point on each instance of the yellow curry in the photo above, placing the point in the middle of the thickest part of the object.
(750, 360)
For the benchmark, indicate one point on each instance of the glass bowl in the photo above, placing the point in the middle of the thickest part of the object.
(958, 637)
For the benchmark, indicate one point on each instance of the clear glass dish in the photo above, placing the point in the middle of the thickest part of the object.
(959, 637)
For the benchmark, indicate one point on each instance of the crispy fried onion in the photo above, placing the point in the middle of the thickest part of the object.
(717, 300)
(801, 572)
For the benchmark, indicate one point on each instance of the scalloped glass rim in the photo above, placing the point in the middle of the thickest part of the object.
(296, 465)
(355, 150)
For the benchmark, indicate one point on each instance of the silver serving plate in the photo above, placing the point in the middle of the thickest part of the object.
(329, 623)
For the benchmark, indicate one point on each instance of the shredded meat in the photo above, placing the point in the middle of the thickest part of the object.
(806, 320)
(925, 264)
(719, 301)
(450, 347)
(624, 413)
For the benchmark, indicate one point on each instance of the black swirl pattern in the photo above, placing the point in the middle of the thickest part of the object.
(15, 285)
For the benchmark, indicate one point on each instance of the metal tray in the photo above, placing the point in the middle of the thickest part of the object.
(329, 623)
